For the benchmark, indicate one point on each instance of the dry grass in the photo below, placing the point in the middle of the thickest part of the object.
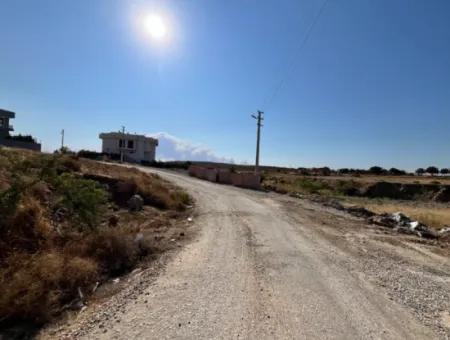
(371, 179)
(155, 191)
(56, 238)
(288, 183)
(36, 286)
(433, 214)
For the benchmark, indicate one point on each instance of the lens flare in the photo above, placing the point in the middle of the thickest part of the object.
(155, 26)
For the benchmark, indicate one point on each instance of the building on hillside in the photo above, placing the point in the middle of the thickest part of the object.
(135, 148)
(14, 141)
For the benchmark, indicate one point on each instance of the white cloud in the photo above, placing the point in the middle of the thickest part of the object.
(174, 148)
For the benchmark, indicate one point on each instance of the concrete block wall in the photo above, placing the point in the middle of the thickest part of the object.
(224, 176)
(246, 180)
(211, 175)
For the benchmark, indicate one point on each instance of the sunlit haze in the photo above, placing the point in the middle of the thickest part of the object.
(155, 26)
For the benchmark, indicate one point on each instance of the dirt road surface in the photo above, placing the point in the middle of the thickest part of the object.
(266, 266)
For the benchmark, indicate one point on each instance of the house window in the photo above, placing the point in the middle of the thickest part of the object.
(131, 144)
(2, 121)
(121, 143)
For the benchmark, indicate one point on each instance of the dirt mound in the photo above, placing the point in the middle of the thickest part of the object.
(443, 195)
(405, 191)
(384, 189)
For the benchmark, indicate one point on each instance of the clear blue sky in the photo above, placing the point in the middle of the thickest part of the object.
(371, 85)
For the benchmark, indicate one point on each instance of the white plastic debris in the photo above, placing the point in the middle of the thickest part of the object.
(413, 225)
(444, 231)
(139, 237)
(95, 287)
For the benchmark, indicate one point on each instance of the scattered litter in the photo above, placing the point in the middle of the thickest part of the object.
(95, 287)
(172, 240)
(396, 221)
(360, 212)
(139, 237)
(80, 294)
(444, 231)
(189, 219)
(136, 270)
(77, 305)
(403, 224)
(115, 281)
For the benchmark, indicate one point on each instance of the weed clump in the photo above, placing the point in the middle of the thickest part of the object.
(82, 199)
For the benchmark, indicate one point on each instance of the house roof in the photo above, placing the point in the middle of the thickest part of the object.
(120, 135)
(7, 114)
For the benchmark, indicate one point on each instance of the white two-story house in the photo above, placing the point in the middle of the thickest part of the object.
(135, 148)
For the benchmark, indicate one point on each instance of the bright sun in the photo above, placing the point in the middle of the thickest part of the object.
(155, 26)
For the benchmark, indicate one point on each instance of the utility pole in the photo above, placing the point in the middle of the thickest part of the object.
(259, 118)
(123, 144)
(62, 139)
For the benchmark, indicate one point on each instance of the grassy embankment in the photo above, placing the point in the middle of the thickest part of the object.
(64, 225)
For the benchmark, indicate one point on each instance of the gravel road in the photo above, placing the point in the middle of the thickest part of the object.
(265, 266)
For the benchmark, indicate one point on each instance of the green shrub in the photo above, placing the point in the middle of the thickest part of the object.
(311, 186)
(9, 200)
(83, 199)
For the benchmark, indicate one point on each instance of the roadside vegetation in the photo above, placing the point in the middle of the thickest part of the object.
(423, 198)
(65, 227)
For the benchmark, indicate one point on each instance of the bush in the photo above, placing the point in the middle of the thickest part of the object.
(83, 199)
(311, 186)
(68, 164)
(9, 200)
(90, 154)
(51, 238)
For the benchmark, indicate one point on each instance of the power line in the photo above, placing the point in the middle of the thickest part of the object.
(298, 50)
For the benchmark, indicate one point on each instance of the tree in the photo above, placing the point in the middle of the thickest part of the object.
(396, 172)
(432, 170)
(445, 171)
(326, 171)
(420, 171)
(377, 170)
